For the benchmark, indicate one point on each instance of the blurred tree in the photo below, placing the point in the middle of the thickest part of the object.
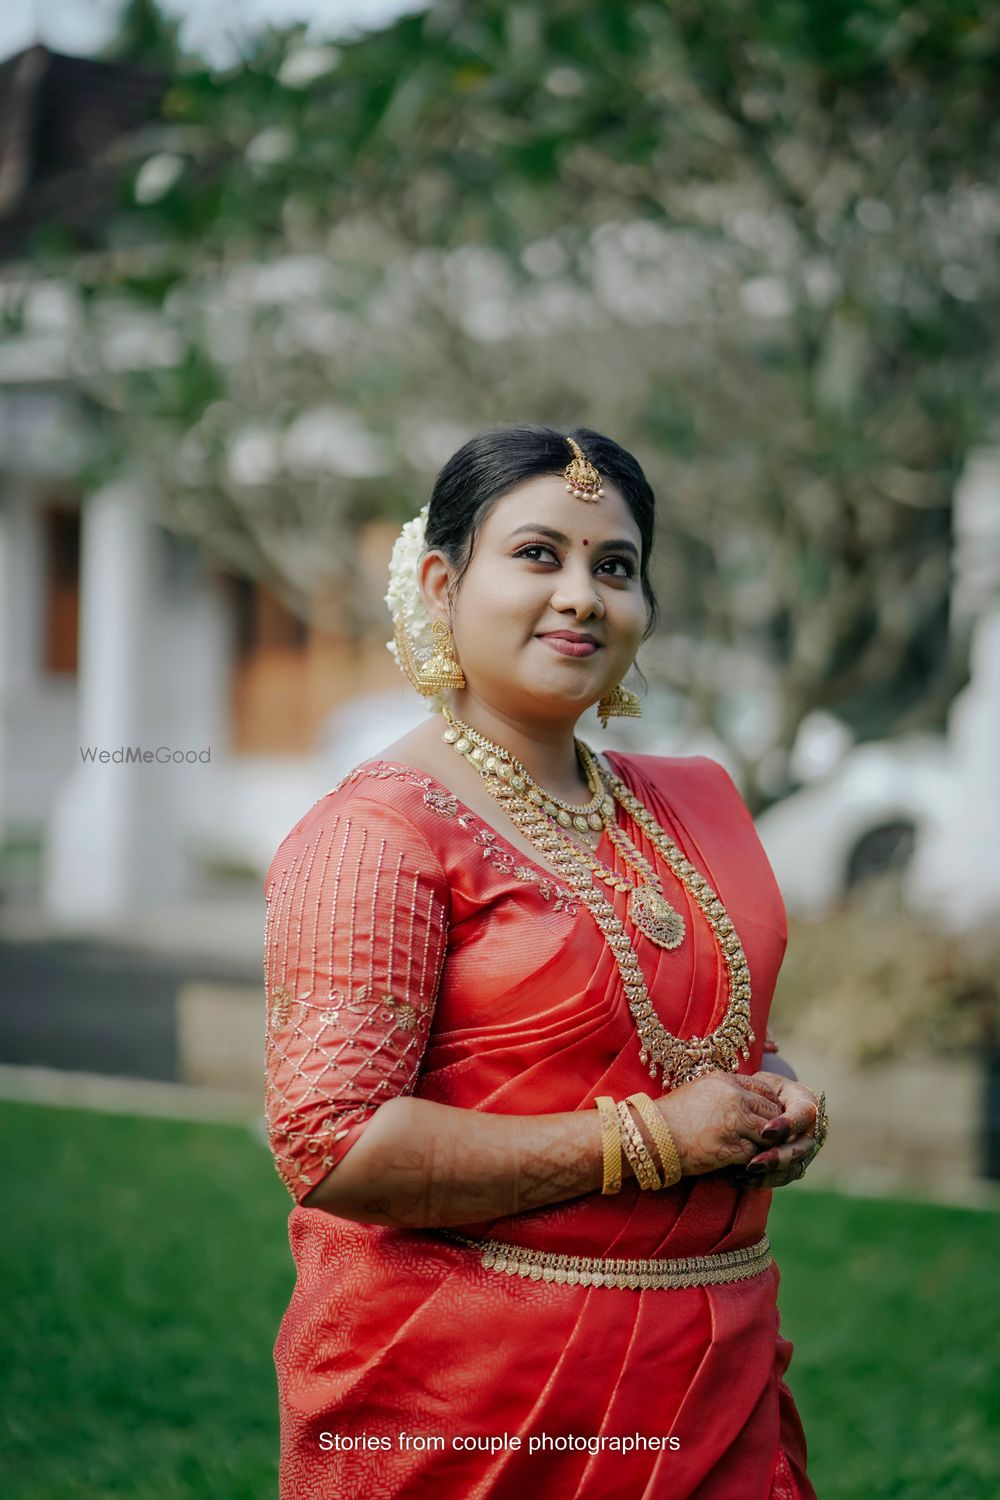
(144, 35)
(756, 243)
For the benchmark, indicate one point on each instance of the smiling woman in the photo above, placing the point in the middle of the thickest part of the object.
(480, 946)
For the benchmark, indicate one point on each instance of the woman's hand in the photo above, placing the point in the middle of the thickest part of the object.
(720, 1119)
(789, 1139)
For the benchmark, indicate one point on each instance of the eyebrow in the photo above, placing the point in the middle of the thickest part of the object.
(622, 544)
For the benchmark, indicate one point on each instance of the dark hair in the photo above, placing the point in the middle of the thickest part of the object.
(491, 464)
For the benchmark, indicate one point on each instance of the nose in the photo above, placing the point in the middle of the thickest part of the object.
(575, 592)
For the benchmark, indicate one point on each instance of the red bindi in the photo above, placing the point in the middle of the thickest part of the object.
(585, 541)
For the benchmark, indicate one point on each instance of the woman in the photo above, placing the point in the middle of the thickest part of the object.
(520, 1273)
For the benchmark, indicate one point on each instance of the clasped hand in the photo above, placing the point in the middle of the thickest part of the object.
(760, 1126)
(789, 1140)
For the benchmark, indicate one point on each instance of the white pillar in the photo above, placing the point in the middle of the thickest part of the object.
(20, 633)
(104, 851)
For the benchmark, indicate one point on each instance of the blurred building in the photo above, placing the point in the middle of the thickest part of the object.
(206, 696)
(221, 715)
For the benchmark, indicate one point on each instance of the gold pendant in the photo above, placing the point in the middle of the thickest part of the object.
(652, 914)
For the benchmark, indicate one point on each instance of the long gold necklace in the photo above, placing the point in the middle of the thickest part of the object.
(676, 1059)
(649, 908)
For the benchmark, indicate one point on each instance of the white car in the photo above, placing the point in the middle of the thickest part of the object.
(868, 815)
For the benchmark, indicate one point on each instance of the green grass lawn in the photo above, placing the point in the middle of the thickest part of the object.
(145, 1267)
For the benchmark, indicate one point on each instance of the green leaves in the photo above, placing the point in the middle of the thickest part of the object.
(756, 242)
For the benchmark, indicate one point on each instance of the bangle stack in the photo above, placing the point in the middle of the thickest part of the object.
(620, 1132)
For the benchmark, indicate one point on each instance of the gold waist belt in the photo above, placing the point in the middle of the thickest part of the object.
(639, 1275)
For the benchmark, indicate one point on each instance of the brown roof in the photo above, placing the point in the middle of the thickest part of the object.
(58, 117)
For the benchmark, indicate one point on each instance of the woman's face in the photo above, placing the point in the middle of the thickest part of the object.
(550, 611)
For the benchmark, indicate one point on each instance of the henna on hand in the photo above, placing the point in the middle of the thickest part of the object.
(717, 1121)
(790, 1138)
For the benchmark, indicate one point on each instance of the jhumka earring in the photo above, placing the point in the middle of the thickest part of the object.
(440, 671)
(620, 702)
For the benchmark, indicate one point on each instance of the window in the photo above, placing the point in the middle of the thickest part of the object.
(62, 588)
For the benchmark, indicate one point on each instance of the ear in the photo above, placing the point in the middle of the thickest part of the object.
(434, 578)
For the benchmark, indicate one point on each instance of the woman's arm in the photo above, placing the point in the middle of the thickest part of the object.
(422, 1165)
(419, 1164)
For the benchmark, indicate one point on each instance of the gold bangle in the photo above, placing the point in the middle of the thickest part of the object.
(670, 1159)
(643, 1165)
(611, 1144)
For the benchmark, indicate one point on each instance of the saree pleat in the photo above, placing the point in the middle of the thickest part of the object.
(411, 948)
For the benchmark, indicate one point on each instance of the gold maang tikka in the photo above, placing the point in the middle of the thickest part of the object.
(582, 479)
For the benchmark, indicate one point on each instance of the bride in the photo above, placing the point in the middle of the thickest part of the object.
(517, 1084)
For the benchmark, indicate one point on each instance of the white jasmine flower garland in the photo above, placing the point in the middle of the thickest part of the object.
(404, 598)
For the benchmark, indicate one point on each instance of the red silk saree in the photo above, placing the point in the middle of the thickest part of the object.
(411, 948)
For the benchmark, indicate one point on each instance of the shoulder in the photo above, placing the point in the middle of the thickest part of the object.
(693, 772)
(692, 786)
(380, 803)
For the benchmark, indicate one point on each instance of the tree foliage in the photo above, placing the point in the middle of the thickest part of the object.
(756, 243)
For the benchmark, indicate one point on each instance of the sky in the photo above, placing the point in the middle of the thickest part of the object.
(80, 27)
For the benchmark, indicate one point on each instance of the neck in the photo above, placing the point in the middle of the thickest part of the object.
(546, 749)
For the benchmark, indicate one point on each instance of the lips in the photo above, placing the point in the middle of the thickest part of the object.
(570, 642)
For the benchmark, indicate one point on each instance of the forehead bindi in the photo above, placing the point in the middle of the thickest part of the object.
(543, 501)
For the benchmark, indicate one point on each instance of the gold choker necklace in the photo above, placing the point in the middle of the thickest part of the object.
(649, 908)
(676, 1059)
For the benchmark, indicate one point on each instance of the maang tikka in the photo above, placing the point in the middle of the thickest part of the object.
(582, 479)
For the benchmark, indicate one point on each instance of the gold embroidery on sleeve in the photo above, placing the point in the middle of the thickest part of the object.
(345, 1049)
(447, 806)
(281, 1005)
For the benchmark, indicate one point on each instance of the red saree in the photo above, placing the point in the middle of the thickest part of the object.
(410, 948)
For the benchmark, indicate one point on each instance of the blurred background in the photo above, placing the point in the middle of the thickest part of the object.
(262, 270)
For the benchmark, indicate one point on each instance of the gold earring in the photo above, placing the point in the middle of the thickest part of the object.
(440, 671)
(621, 701)
(405, 654)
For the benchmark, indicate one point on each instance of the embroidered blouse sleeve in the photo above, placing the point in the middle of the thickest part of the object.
(355, 938)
